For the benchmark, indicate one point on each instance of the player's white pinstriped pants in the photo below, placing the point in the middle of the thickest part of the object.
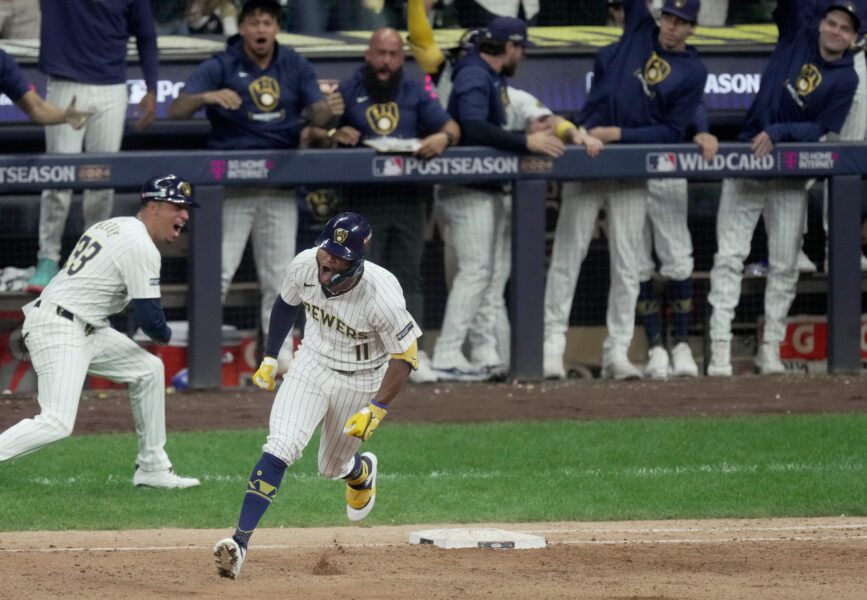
(743, 201)
(667, 231)
(102, 133)
(625, 203)
(470, 215)
(490, 331)
(310, 394)
(62, 356)
(270, 215)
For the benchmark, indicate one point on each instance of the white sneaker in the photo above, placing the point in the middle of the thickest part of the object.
(162, 479)
(424, 373)
(657, 366)
(458, 368)
(552, 367)
(720, 359)
(805, 265)
(229, 555)
(767, 359)
(684, 363)
(619, 368)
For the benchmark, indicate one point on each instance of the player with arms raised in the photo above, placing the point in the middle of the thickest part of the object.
(68, 335)
(359, 347)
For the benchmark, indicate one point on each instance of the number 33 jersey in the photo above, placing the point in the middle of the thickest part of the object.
(113, 262)
(354, 331)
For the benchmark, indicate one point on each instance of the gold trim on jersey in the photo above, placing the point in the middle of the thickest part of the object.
(383, 118)
(410, 355)
(265, 93)
(809, 80)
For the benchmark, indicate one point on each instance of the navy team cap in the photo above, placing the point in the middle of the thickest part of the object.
(849, 7)
(509, 29)
(685, 9)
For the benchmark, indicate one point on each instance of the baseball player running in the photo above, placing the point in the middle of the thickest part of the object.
(360, 344)
(254, 94)
(68, 335)
(807, 89)
(655, 103)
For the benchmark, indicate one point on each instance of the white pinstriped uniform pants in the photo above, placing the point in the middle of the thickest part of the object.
(626, 203)
(667, 231)
(471, 215)
(62, 356)
(102, 133)
(310, 394)
(743, 201)
(270, 215)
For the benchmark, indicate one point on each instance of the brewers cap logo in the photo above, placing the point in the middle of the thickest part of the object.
(340, 235)
(679, 3)
(383, 118)
(265, 93)
(809, 79)
(656, 70)
(186, 189)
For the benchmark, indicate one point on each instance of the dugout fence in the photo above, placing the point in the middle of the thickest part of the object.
(843, 164)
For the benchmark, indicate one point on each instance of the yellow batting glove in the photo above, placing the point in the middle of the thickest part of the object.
(362, 423)
(264, 377)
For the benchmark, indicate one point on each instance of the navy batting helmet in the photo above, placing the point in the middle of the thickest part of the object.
(347, 236)
(168, 188)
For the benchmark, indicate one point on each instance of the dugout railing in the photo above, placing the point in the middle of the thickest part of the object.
(209, 171)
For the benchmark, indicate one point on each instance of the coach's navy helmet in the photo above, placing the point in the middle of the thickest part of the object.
(168, 188)
(347, 236)
(685, 9)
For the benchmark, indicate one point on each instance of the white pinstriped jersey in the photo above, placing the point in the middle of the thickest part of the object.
(523, 108)
(113, 262)
(355, 330)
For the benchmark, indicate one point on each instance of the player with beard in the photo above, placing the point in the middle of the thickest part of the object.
(380, 101)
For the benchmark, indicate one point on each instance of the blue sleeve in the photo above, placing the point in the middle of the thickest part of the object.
(431, 115)
(801, 131)
(12, 81)
(141, 25)
(699, 121)
(636, 14)
(282, 318)
(790, 14)
(150, 317)
(308, 85)
(206, 77)
(471, 91)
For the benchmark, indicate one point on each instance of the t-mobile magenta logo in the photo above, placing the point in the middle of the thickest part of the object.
(790, 159)
(218, 169)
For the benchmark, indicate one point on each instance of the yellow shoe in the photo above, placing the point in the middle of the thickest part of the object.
(360, 498)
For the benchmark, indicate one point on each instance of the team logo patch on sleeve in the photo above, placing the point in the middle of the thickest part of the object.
(405, 330)
(155, 281)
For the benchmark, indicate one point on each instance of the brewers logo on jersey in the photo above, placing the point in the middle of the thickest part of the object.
(383, 118)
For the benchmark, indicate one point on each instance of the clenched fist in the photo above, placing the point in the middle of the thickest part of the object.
(362, 423)
(264, 376)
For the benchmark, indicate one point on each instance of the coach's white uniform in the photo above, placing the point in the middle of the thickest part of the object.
(489, 334)
(68, 336)
(348, 342)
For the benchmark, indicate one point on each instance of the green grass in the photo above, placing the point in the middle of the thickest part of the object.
(500, 472)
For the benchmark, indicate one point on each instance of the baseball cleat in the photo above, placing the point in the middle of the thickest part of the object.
(620, 368)
(657, 365)
(552, 366)
(46, 269)
(229, 556)
(683, 364)
(360, 499)
(767, 360)
(720, 364)
(162, 479)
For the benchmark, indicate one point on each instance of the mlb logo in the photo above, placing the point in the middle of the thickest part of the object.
(661, 162)
(387, 166)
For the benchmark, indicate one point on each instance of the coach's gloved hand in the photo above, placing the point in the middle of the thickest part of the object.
(362, 423)
(264, 377)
